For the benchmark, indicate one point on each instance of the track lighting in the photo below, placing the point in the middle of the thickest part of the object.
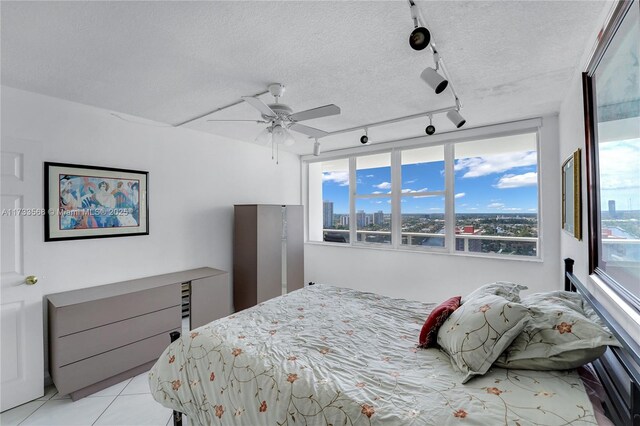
(430, 128)
(316, 148)
(433, 78)
(364, 138)
(420, 37)
(455, 117)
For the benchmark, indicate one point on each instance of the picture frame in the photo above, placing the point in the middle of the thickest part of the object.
(572, 194)
(84, 202)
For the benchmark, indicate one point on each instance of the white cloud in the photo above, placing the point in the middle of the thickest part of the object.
(512, 209)
(497, 206)
(369, 176)
(435, 208)
(341, 178)
(482, 166)
(412, 181)
(517, 181)
(460, 194)
(413, 191)
(377, 192)
(384, 185)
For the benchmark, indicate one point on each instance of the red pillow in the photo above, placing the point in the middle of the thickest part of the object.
(436, 318)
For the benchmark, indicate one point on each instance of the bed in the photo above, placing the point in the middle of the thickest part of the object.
(327, 355)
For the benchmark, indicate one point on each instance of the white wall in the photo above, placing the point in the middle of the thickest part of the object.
(194, 180)
(435, 277)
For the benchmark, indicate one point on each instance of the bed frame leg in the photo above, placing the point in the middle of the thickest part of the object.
(177, 416)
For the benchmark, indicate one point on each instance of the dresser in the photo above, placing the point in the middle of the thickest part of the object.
(99, 336)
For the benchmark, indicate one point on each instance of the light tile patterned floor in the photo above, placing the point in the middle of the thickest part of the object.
(126, 403)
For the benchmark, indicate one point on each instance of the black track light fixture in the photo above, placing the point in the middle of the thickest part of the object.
(430, 129)
(364, 139)
(420, 37)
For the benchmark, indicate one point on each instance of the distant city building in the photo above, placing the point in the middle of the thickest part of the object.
(327, 214)
(378, 218)
(612, 208)
(368, 220)
(361, 219)
(344, 220)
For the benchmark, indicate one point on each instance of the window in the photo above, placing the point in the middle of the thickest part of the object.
(423, 197)
(373, 198)
(496, 195)
(330, 189)
(612, 95)
(471, 197)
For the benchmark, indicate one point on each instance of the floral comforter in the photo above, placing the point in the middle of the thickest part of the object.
(333, 356)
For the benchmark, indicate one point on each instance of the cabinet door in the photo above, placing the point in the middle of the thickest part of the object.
(295, 248)
(210, 299)
(269, 279)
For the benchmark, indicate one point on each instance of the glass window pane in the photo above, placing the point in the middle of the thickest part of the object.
(373, 220)
(617, 89)
(423, 221)
(335, 200)
(496, 194)
(373, 174)
(423, 169)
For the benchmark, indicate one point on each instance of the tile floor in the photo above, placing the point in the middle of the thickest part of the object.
(128, 403)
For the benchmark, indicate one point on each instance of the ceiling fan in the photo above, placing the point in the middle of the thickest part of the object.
(281, 118)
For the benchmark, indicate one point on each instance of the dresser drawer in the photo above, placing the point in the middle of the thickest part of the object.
(84, 344)
(83, 373)
(83, 316)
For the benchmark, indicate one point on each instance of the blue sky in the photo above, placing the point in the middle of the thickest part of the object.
(502, 183)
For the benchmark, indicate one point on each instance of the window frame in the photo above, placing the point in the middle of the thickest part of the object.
(448, 140)
(591, 152)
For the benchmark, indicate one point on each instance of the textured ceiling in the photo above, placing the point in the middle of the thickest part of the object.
(171, 61)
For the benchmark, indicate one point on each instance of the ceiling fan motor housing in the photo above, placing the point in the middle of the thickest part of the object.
(281, 110)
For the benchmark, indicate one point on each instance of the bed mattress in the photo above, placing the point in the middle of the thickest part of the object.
(334, 356)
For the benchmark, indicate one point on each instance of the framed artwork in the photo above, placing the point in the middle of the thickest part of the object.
(571, 194)
(94, 202)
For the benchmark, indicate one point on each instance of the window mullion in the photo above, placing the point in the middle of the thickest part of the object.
(396, 190)
(449, 199)
(352, 201)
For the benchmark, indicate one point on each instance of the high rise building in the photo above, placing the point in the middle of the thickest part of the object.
(361, 219)
(344, 220)
(378, 217)
(327, 214)
(612, 208)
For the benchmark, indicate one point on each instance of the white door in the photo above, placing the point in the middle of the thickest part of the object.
(21, 337)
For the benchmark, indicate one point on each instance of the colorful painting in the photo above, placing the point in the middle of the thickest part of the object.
(92, 202)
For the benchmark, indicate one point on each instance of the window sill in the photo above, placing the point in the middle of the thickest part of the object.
(628, 311)
(443, 252)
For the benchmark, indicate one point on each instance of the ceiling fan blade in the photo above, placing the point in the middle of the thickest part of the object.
(309, 131)
(322, 111)
(247, 121)
(259, 105)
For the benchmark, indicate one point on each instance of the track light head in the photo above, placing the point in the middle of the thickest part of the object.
(437, 82)
(431, 129)
(316, 148)
(364, 139)
(419, 38)
(455, 117)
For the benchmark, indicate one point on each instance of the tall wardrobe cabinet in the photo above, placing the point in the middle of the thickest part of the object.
(268, 252)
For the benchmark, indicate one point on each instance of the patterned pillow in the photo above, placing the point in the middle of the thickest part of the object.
(564, 333)
(509, 291)
(437, 317)
(475, 334)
